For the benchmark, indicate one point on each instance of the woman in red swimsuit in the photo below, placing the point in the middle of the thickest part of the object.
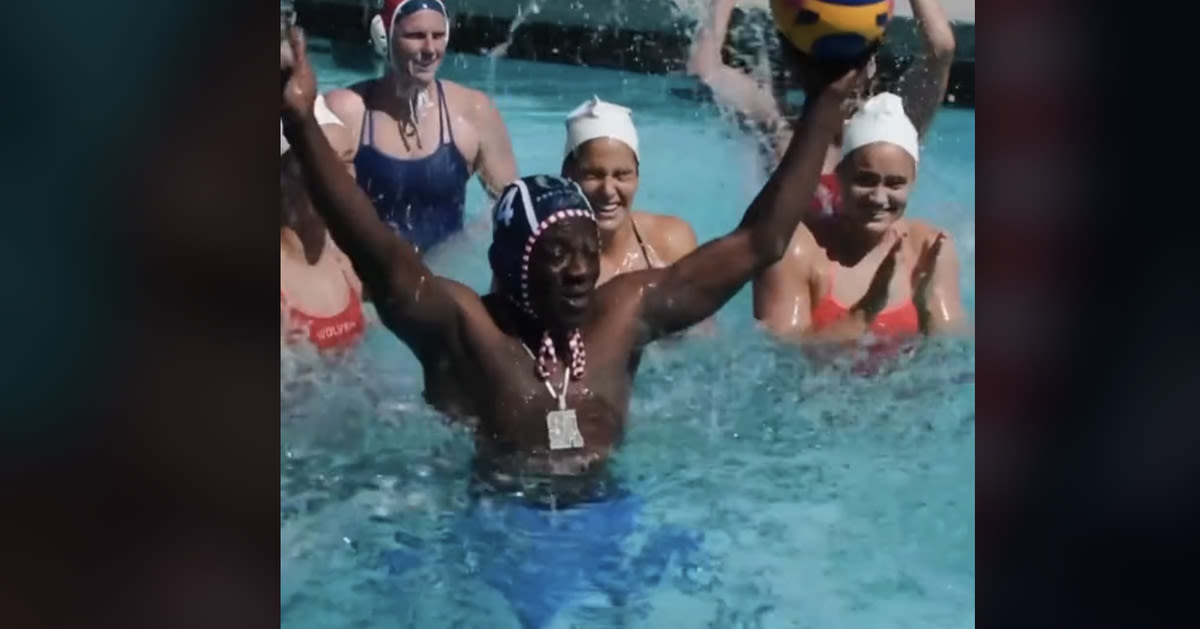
(761, 101)
(885, 274)
(320, 297)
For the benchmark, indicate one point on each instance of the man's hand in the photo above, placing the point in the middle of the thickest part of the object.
(847, 76)
(299, 82)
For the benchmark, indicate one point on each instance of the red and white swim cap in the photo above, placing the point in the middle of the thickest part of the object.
(384, 22)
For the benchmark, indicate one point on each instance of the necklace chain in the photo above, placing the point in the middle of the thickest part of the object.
(561, 397)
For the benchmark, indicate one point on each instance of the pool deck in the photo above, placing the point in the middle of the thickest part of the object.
(648, 36)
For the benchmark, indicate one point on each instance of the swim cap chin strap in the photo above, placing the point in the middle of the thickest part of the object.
(525, 210)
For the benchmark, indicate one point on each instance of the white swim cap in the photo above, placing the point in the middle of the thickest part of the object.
(324, 116)
(881, 119)
(598, 119)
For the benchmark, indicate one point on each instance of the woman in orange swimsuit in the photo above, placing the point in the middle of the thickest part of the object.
(885, 275)
(762, 103)
(319, 294)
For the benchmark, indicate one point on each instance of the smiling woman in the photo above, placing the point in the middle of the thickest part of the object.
(882, 274)
(602, 155)
(417, 140)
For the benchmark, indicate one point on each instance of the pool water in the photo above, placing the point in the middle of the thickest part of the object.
(825, 499)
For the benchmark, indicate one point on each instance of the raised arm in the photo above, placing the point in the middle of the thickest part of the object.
(731, 87)
(411, 301)
(923, 85)
(694, 288)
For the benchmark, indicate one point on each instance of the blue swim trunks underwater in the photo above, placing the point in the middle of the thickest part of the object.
(543, 560)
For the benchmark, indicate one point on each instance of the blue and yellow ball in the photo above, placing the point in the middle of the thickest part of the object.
(832, 29)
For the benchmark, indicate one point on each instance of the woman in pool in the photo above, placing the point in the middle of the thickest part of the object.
(763, 106)
(887, 275)
(319, 294)
(602, 157)
(418, 139)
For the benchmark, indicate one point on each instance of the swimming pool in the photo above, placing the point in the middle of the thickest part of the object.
(825, 500)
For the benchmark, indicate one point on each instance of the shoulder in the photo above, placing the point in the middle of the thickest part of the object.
(922, 233)
(346, 103)
(662, 222)
(671, 236)
(476, 313)
(468, 101)
(803, 243)
(467, 305)
(620, 298)
(463, 295)
(803, 256)
(343, 261)
(460, 92)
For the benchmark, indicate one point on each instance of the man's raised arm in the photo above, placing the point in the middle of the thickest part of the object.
(411, 301)
(695, 287)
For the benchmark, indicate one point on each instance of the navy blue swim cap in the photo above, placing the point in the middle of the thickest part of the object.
(408, 7)
(525, 209)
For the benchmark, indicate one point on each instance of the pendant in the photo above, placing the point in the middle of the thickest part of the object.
(563, 430)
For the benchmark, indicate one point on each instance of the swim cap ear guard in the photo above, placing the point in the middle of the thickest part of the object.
(393, 11)
(526, 208)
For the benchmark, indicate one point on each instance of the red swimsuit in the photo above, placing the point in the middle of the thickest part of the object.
(892, 327)
(827, 200)
(897, 321)
(340, 330)
(824, 207)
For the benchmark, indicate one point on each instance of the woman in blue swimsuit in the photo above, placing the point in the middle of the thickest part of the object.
(419, 139)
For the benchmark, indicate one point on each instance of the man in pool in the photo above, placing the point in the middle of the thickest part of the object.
(545, 256)
(497, 357)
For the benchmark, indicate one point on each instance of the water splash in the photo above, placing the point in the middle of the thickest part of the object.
(499, 50)
(523, 12)
(859, 489)
(700, 8)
